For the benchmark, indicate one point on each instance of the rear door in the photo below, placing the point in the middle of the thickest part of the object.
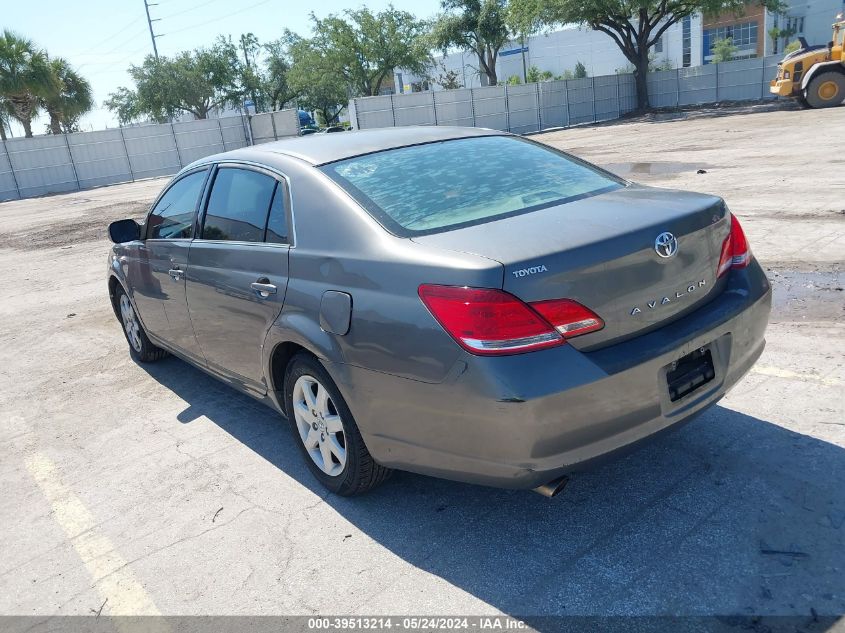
(239, 270)
(158, 275)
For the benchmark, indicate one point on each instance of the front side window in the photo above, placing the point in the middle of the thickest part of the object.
(238, 205)
(436, 186)
(173, 215)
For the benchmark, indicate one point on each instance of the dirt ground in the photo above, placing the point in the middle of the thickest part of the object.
(155, 489)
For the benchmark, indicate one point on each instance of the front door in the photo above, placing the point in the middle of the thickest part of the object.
(238, 271)
(158, 282)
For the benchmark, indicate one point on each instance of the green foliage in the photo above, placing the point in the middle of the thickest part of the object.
(514, 80)
(319, 86)
(69, 98)
(445, 78)
(724, 50)
(275, 83)
(634, 25)
(792, 47)
(535, 75)
(580, 71)
(25, 78)
(476, 25)
(363, 47)
(567, 74)
(192, 82)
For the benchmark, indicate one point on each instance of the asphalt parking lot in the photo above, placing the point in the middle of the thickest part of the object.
(155, 489)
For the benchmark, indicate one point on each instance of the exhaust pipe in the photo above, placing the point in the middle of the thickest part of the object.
(552, 488)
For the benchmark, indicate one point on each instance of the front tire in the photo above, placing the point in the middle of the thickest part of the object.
(325, 431)
(826, 90)
(140, 347)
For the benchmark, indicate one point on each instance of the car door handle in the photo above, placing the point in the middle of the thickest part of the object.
(175, 273)
(263, 287)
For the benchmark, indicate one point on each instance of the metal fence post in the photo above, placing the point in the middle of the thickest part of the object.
(507, 110)
(566, 102)
(12, 169)
(126, 151)
(472, 104)
(222, 140)
(717, 82)
(539, 93)
(593, 89)
(434, 107)
(273, 124)
(176, 145)
(677, 87)
(618, 100)
(392, 110)
(72, 165)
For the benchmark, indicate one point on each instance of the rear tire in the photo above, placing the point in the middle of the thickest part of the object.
(325, 431)
(140, 347)
(826, 90)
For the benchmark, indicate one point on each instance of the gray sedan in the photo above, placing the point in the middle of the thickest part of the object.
(456, 302)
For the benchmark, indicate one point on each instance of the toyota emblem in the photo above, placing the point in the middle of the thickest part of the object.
(666, 245)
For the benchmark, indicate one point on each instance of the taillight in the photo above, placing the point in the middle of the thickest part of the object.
(735, 250)
(569, 317)
(490, 322)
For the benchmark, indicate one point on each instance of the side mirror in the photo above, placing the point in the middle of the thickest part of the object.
(124, 231)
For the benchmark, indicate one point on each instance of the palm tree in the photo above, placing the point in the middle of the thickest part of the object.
(24, 77)
(5, 113)
(69, 98)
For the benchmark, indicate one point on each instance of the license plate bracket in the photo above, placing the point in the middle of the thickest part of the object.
(690, 373)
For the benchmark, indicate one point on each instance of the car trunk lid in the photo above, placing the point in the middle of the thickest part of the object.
(601, 252)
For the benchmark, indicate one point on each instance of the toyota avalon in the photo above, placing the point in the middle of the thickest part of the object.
(456, 302)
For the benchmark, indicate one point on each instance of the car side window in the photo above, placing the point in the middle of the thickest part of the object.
(238, 205)
(277, 221)
(173, 216)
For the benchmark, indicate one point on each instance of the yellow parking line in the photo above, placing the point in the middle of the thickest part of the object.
(108, 569)
(767, 370)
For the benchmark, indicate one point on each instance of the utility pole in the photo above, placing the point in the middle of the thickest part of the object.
(150, 21)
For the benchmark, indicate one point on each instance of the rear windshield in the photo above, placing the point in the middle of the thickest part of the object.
(449, 184)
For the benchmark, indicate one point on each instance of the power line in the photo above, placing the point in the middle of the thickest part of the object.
(123, 29)
(189, 9)
(217, 19)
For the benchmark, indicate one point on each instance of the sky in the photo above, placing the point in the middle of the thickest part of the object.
(102, 38)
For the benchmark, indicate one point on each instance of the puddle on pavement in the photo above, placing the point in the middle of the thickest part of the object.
(656, 168)
(807, 296)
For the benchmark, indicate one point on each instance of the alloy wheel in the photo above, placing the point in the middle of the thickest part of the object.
(130, 323)
(319, 424)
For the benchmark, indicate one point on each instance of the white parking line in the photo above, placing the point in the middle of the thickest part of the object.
(767, 370)
(108, 569)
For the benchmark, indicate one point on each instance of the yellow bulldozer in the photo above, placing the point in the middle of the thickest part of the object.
(814, 75)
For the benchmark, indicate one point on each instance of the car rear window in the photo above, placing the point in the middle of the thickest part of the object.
(449, 184)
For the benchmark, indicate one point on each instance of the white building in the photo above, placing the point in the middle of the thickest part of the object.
(687, 43)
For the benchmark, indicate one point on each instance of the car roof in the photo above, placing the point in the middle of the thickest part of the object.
(319, 149)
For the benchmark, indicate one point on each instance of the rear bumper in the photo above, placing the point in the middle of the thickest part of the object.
(520, 421)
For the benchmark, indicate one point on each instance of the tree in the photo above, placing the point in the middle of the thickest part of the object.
(250, 74)
(724, 50)
(514, 80)
(476, 25)
(125, 105)
(580, 71)
(25, 77)
(5, 117)
(192, 82)
(634, 25)
(445, 78)
(320, 88)
(69, 98)
(364, 48)
(792, 47)
(535, 75)
(774, 34)
(276, 85)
